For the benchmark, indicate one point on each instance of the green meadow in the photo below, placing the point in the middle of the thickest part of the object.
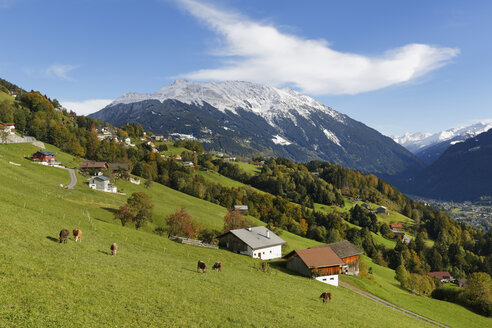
(152, 281)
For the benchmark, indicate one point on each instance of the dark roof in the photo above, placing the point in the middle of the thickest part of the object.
(319, 257)
(45, 153)
(256, 237)
(116, 166)
(100, 177)
(343, 248)
(89, 164)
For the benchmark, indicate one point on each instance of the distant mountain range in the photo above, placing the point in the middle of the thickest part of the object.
(248, 119)
(463, 172)
(428, 147)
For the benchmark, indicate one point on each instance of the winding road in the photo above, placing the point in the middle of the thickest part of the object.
(391, 305)
(73, 179)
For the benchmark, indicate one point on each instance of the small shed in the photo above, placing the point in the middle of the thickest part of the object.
(320, 263)
(44, 156)
(382, 210)
(257, 242)
(242, 209)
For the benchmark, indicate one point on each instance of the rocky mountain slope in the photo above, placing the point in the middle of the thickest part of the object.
(244, 118)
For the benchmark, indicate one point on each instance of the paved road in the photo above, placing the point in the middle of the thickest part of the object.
(391, 305)
(73, 179)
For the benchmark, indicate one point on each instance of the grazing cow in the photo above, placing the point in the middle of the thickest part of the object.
(217, 266)
(64, 235)
(201, 266)
(114, 248)
(325, 296)
(77, 234)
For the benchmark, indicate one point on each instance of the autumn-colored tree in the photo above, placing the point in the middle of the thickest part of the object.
(181, 224)
(234, 220)
(124, 214)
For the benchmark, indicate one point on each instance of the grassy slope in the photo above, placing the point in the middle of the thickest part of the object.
(386, 287)
(151, 282)
(5, 96)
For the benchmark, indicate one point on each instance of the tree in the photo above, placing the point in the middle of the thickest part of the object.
(181, 224)
(234, 220)
(141, 204)
(124, 214)
(478, 292)
(402, 276)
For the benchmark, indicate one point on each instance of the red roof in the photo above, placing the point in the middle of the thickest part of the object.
(396, 225)
(440, 275)
(319, 257)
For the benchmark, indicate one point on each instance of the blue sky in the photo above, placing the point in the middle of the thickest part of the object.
(397, 66)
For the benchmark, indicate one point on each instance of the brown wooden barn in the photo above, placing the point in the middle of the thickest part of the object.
(320, 263)
(349, 254)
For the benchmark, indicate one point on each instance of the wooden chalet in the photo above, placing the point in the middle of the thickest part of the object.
(96, 166)
(349, 254)
(320, 263)
(382, 210)
(44, 156)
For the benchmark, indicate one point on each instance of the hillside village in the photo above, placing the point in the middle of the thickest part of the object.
(344, 240)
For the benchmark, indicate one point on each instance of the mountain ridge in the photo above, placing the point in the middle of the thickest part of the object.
(245, 118)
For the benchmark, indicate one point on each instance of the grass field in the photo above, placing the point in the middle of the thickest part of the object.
(152, 282)
(6, 96)
(386, 287)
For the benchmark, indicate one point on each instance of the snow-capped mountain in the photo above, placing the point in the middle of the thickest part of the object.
(245, 118)
(428, 147)
(461, 173)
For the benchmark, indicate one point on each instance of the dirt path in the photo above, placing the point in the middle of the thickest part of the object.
(391, 305)
(73, 179)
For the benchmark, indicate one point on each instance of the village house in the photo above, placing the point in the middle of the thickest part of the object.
(382, 210)
(101, 183)
(188, 164)
(395, 227)
(128, 141)
(7, 127)
(157, 137)
(402, 236)
(366, 206)
(320, 263)
(257, 242)
(443, 276)
(44, 156)
(93, 166)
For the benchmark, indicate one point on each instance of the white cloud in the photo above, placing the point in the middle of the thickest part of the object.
(261, 53)
(60, 71)
(86, 107)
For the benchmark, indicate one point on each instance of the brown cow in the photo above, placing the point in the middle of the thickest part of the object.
(114, 248)
(217, 266)
(64, 235)
(77, 234)
(201, 266)
(325, 296)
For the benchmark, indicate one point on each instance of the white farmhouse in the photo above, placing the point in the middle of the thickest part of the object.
(257, 242)
(101, 183)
